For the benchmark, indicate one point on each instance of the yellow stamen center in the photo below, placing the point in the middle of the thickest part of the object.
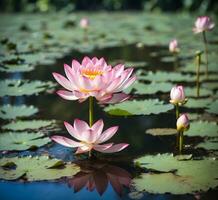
(91, 73)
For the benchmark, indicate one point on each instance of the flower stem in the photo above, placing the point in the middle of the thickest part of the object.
(198, 61)
(176, 61)
(206, 52)
(90, 153)
(177, 110)
(91, 106)
(180, 141)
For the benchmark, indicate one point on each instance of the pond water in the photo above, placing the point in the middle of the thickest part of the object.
(109, 174)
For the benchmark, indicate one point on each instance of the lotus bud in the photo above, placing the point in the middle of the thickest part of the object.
(84, 23)
(203, 23)
(173, 46)
(182, 123)
(177, 95)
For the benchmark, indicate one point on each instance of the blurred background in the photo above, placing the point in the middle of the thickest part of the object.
(200, 6)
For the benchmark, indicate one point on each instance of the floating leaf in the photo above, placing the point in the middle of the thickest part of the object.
(152, 88)
(146, 107)
(209, 144)
(29, 124)
(161, 131)
(192, 92)
(197, 103)
(213, 107)
(16, 68)
(36, 168)
(23, 87)
(210, 85)
(12, 112)
(203, 129)
(21, 141)
(183, 176)
(166, 76)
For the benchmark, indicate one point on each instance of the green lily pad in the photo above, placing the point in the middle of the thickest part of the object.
(152, 88)
(36, 169)
(145, 107)
(209, 144)
(210, 85)
(134, 64)
(16, 68)
(192, 92)
(23, 87)
(29, 124)
(183, 176)
(197, 103)
(160, 76)
(213, 107)
(21, 141)
(203, 129)
(12, 112)
(161, 131)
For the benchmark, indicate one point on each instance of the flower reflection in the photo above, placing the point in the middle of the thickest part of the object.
(97, 175)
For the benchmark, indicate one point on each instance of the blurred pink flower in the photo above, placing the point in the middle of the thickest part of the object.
(182, 123)
(97, 175)
(177, 95)
(203, 23)
(93, 77)
(84, 23)
(90, 137)
(173, 46)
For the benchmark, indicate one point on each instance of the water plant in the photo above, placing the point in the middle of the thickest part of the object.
(174, 49)
(84, 24)
(198, 64)
(202, 25)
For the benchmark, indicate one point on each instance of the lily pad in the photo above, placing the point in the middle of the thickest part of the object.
(192, 92)
(197, 103)
(203, 129)
(151, 88)
(29, 124)
(145, 107)
(23, 87)
(210, 85)
(21, 141)
(184, 176)
(12, 112)
(36, 169)
(166, 76)
(209, 144)
(213, 107)
(161, 131)
(16, 68)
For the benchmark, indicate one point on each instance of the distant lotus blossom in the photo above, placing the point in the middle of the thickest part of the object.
(203, 23)
(93, 77)
(177, 95)
(173, 46)
(90, 138)
(182, 123)
(84, 23)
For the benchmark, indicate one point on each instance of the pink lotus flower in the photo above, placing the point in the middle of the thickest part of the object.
(173, 46)
(97, 175)
(93, 77)
(84, 23)
(90, 137)
(177, 95)
(182, 123)
(203, 23)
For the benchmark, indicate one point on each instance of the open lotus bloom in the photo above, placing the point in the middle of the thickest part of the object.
(173, 46)
(182, 123)
(84, 23)
(93, 77)
(203, 23)
(89, 138)
(97, 175)
(177, 95)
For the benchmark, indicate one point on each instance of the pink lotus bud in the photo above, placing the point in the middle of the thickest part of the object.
(203, 23)
(84, 23)
(177, 95)
(173, 46)
(182, 123)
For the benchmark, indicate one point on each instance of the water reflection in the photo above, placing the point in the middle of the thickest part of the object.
(99, 175)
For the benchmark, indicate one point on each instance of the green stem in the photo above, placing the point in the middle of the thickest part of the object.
(180, 142)
(177, 111)
(198, 60)
(176, 64)
(206, 52)
(91, 106)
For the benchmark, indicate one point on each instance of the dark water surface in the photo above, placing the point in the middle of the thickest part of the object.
(131, 130)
